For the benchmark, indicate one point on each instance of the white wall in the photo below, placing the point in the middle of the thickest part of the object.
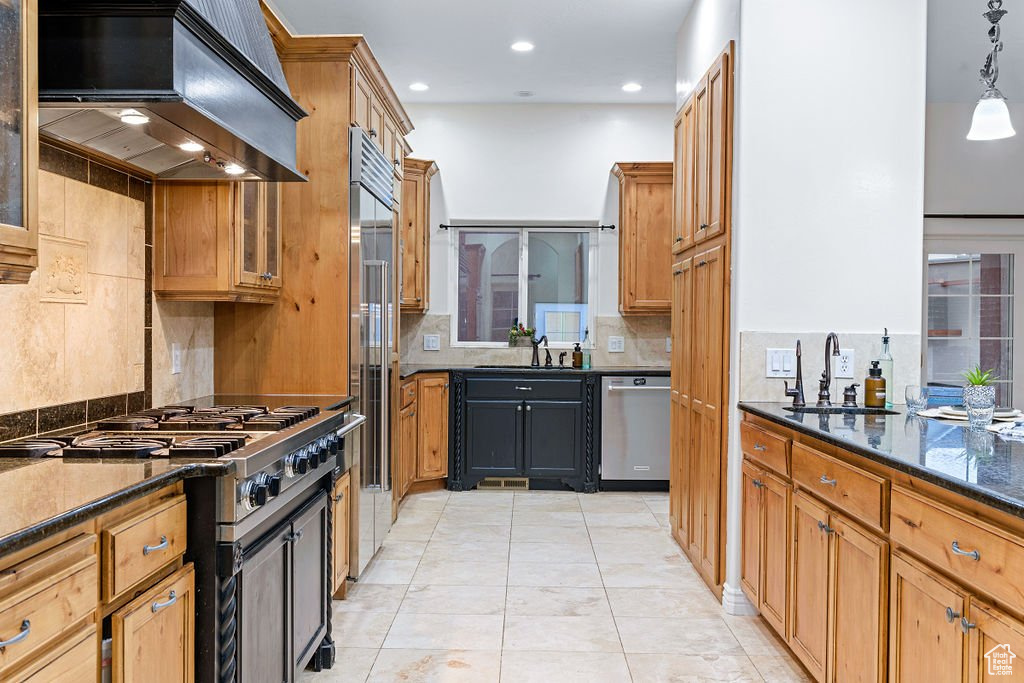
(533, 162)
(708, 27)
(971, 177)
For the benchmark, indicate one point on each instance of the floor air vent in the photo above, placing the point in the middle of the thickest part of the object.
(507, 483)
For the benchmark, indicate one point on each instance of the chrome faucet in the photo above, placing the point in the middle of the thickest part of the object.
(826, 374)
(535, 362)
(797, 392)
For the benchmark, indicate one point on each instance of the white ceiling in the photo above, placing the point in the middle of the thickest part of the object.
(957, 45)
(585, 49)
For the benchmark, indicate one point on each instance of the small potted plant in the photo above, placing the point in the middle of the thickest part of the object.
(979, 396)
(519, 331)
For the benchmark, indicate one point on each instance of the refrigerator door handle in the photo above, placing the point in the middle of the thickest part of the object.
(384, 466)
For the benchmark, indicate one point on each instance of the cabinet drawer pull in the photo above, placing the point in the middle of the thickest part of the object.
(965, 625)
(951, 616)
(758, 483)
(172, 598)
(162, 545)
(760, 447)
(974, 554)
(825, 527)
(26, 628)
(524, 388)
(826, 481)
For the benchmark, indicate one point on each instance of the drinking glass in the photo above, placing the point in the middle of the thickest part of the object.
(980, 403)
(917, 398)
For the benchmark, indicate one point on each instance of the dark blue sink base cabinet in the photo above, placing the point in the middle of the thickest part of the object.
(538, 425)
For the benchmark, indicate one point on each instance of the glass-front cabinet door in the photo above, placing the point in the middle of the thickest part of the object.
(19, 145)
(249, 234)
(272, 235)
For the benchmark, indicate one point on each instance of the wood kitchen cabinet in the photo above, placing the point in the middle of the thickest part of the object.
(19, 142)
(700, 326)
(645, 237)
(341, 508)
(422, 430)
(153, 636)
(407, 448)
(415, 222)
(764, 571)
(218, 241)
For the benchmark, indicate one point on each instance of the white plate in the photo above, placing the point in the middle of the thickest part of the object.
(1001, 413)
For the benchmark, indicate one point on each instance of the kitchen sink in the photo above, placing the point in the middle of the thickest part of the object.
(840, 410)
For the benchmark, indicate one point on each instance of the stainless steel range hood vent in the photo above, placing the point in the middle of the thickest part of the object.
(136, 80)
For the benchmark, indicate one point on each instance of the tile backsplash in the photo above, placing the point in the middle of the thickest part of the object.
(754, 386)
(644, 338)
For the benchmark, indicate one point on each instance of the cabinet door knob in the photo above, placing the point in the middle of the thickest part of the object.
(825, 527)
(338, 497)
(529, 408)
(965, 625)
(372, 132)
(679, 239)
(951, 616)
(519, 409)
(703, 226)
(758, 483)
(973, 554)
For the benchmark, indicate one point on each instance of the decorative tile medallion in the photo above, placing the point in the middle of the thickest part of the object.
(63, 270)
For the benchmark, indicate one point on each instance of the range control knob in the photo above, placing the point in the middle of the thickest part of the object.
(297, 463)
(255, 492)
(274, 484)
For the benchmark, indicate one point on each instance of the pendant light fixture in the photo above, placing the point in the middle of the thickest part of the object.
(991, 117)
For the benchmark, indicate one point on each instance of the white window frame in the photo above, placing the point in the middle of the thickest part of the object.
(524, 246)
(979, 236)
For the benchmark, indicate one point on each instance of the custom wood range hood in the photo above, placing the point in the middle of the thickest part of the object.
(181, 89)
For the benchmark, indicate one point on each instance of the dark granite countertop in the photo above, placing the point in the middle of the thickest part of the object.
(321, 401)
(409, 369)
(980, 465)
(48, 495)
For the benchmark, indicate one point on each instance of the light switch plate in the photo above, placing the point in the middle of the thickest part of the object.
(616, 344)
(175, 358)
(668, 344)
(431, 342)
(780, 363)
(845, 365)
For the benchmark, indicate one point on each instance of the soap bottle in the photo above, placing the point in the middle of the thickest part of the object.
(885, 362)
(874, 387)
(577, 356)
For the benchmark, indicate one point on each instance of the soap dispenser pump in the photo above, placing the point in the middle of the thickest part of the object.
(577, 356)
(874, 387)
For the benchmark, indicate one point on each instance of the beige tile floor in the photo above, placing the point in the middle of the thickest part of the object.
(541, 586)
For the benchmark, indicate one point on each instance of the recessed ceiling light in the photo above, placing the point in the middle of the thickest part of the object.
(632, 87)
(234, 169)
(524, 93)
(522, 46)
(419, 87)
(191, 146)
(134, 118)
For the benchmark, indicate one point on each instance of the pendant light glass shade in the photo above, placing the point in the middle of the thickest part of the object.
(991, 118)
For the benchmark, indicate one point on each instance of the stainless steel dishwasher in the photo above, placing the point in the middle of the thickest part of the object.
(635, 433)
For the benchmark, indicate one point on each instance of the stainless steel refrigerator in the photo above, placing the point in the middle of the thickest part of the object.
(372, 266)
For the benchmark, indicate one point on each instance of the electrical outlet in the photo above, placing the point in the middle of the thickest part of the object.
(431, 342)
(616, 344)
(845, 365)
(668, 344)
(779, 363)
(175, 358)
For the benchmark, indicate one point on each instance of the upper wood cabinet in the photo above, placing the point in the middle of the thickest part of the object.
(683, 207)
(415, 222)
(19, 141)
(218, 241)
(645, 237)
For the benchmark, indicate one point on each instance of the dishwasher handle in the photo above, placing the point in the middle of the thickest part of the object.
(614, 388)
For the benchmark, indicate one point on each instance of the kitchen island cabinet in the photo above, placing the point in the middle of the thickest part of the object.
(902, 565)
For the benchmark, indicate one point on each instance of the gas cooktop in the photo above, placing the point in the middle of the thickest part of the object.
(170, 431)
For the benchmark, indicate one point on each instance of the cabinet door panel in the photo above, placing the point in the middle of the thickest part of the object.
(432, 461)
(153, 636)
(412, 241)
(407, 447)
(684, 172)
(271, 260)
(775, 497)
(247, 210)
(923, 644)
(700, 160)
(710, 454)
(995, 640)
(719, 149)
(860, 568)
(810, 586)
(645, 217)
(362, 98)
(263, 652)
(340, 542)
(751, 532)
(494, 438)
(309, 592)
(552, 445)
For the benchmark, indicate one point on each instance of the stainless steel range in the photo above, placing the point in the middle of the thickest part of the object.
(260, 538)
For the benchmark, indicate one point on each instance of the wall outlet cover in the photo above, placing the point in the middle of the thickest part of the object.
(616, 344)
(845, 364)
(175, 358)
(431, 342)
